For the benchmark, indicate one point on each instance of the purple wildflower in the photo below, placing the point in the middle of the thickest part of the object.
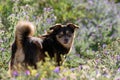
(90, 2)
(104, 46)
(43, 79)
(72, 69)
(57, 70)
(118, 70)
(27, 72)
(49, 20)
(105, 74)
(78, 55)
(1, 41)
(2, 49)
(34, 17)
(117, 78)
(64, 78)
(97, 61)
(80, 67)
(48, 9)
(15, 73)
(37, 75)
(118, 57)
(106, 52)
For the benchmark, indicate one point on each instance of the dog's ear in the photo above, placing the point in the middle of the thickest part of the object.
(56, 27)
(73, 26)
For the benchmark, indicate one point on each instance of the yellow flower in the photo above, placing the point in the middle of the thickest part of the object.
(33, 72)
(44, 74)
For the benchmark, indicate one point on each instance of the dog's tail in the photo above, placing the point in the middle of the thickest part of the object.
(23, 31)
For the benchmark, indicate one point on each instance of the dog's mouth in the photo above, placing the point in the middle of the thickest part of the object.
(65, 41)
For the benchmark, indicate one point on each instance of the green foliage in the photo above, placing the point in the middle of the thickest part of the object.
(117, 1)
(96, 51)
(100, 26)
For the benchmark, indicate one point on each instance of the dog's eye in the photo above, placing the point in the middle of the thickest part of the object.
(69, 35)
(60, 36)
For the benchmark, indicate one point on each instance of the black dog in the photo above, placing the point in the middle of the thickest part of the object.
(28, 50)
(59, 41)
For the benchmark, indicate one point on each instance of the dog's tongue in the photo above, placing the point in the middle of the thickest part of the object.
(65, 42)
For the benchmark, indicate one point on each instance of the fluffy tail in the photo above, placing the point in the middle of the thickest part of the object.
(23, 30)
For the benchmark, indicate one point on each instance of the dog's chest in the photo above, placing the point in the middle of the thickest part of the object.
(52, 47)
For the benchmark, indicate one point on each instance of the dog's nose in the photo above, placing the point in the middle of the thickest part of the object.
(65, 40)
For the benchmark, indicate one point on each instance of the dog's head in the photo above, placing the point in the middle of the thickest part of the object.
(64, 33)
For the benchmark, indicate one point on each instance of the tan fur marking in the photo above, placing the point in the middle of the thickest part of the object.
(22, 27)
(67, 32)
(69, 44)
(19, 56)
(37, 41)
(61, 33)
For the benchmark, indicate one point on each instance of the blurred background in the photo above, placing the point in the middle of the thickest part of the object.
(97, 42)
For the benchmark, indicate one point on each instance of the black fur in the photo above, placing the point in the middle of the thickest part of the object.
(14, 48)
(54, 48)
(30, 50)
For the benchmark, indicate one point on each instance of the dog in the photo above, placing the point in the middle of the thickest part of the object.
(27, 50)
(59, 41)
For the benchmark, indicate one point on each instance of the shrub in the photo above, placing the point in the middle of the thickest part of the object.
(100, 25)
